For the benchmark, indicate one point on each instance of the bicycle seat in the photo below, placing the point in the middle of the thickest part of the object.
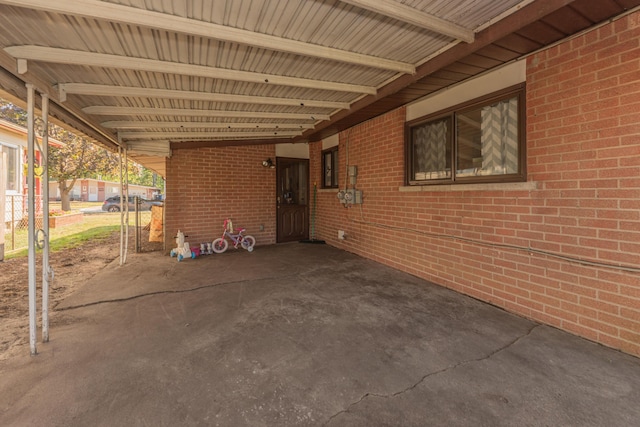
(239, 230)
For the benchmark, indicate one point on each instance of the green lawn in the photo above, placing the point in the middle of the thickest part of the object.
(93, 226)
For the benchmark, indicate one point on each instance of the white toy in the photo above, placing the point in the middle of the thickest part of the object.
(205, 249)
(182, 250)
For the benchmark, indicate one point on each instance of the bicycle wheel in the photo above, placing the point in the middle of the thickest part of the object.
(248, 242)
(219, 245)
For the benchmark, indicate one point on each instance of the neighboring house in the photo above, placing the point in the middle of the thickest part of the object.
(13, 143)
(95, 190)
(549, 228)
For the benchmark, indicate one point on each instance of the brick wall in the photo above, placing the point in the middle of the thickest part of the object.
(582, 203)
(206, 185)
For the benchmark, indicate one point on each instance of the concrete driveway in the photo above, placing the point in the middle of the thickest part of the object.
(304, 334)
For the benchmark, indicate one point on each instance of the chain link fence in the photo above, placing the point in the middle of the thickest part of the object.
(145, 224)
(147, 228)
(16, 221)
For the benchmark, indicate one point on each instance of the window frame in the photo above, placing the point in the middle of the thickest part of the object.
(17, 156)
(518, 91)
(334, 170)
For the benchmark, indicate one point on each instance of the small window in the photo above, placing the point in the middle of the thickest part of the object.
(482, 141)
(432, 150)
(12, 173)
(330, 168)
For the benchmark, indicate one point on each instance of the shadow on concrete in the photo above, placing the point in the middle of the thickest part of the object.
(304, 335)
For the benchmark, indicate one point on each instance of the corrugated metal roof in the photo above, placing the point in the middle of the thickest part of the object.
(260, 57)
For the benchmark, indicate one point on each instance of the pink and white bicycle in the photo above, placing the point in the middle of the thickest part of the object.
(238, 238)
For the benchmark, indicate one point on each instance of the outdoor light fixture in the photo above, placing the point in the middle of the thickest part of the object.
(268, 163)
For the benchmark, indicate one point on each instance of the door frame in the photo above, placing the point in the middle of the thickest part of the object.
(280, 162)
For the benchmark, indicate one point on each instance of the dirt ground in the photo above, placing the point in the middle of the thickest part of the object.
(72, 268)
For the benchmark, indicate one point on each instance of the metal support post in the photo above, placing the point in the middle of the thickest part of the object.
(13, 222)
(47, 273)
(31, 206)
(137, 214)
(124, 203)
(3, 186)
(121, 206)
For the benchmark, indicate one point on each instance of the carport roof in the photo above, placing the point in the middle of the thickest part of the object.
(157, 75)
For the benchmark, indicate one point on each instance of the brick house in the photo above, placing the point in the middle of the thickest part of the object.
(502, 163)
(554, 248)
(13, 142)
(14, 191)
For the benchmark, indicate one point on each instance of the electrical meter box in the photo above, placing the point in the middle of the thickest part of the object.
(350, 196)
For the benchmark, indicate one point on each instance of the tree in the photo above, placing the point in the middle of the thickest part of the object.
(144, 176)
(14, 114)
(136, 173)
(78, 158)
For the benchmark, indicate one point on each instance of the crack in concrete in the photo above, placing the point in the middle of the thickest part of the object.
(168, 291)
(431, 374)
(364, 396)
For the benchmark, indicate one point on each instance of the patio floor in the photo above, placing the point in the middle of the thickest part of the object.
(295, 335)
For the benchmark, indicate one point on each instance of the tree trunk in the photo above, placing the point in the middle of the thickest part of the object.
(64, 194)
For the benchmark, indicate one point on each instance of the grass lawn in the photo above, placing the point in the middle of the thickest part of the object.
(93, 226)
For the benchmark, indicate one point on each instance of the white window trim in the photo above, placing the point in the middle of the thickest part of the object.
(18, 149)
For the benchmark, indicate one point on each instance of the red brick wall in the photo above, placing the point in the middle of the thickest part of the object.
(583, 154)
(206, 185)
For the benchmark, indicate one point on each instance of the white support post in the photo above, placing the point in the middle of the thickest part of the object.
(121, 206)
(46, 269)
(124, 202)
(31, 206)
(3, 200)
(126, 205)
